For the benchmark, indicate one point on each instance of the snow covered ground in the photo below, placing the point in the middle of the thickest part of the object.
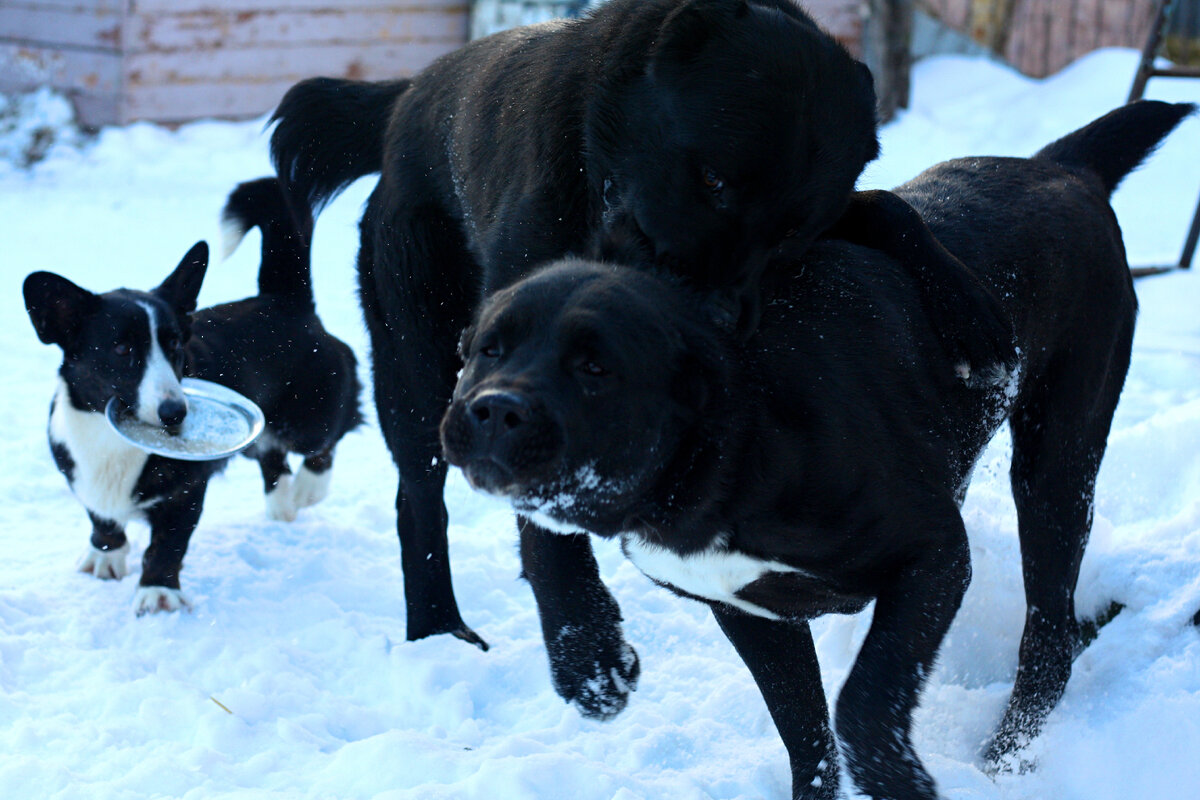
(291, 677)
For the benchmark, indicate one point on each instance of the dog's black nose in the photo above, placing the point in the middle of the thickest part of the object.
(171, 412)
(495, 413)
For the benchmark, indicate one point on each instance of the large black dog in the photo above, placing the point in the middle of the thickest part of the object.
(688, 134)
(820, 465)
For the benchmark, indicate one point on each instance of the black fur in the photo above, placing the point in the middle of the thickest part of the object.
(688, 134)
(831, 450)
(270, 347)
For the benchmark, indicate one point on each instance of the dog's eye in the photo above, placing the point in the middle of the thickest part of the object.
(174, 344)
(714, 182)
(122, 349)
(490, 351)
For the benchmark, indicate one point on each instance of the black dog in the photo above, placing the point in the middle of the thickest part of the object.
(136, 346)
(821, 465)
(690, 134)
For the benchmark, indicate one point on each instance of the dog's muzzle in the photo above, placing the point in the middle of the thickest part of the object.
(501, 439)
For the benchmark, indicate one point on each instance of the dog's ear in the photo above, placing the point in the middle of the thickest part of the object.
(464, 341)
(57, 307)
(182, 287)
(688, 28)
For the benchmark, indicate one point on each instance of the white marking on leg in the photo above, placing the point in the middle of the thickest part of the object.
(310, 488)
(159, 381)
(105, 564)
(152, 599)
(281, 504)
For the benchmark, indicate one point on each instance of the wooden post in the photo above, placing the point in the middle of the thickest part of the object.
(886, 45)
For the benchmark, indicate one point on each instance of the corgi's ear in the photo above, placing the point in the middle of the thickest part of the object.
(182, 287)
(57, 307)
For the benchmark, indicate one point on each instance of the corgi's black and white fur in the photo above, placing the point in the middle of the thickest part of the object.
(136, 345)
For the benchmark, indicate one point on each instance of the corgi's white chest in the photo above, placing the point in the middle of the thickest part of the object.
(106, 469)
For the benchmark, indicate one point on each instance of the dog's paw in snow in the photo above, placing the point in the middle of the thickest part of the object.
(310, 488)
(281, 501)
(152, 599)
(107, 565)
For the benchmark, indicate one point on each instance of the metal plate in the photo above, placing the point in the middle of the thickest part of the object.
(219, 423)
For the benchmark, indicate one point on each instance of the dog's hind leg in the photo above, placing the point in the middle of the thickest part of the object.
(311, 484)
(414, 319)
(277, 481)
(1060, 431)
(912, 615)
(783, 661)
(105, 558)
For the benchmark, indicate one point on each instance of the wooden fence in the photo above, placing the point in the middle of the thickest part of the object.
(174, 60)
(1040, 37)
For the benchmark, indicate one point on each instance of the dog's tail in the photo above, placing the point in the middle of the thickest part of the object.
(1114, 145)
(329, 133)
(286, 269)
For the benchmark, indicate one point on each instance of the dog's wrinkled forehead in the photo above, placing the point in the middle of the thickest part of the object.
(578, 300)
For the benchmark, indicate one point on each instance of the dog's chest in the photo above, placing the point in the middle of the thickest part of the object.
(716, 573)
(106, 469)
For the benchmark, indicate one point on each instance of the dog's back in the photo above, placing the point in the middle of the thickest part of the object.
(272, 347)
(1063, 263)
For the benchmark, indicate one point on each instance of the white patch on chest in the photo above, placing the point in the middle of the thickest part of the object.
(716, 573)
(549, 523)
(106, 468)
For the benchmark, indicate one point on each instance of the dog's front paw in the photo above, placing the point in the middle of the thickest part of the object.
(596, 675)
(152, 599)
(281, 501)
(310, 488)
(107, 565)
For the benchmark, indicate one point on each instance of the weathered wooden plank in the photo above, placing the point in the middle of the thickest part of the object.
(1047, 35)
(202, 30)
(24, 68)
(94, 109)
(238, 6)
(79, 27)
(842, 19)
(953, 13)
(89, 6)
(372, 61)
(185, 102)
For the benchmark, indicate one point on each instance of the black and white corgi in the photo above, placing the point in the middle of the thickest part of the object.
(136, 345)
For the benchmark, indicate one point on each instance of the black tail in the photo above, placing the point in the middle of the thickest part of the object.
(1114, 145)
(329, 134)
(286, 265)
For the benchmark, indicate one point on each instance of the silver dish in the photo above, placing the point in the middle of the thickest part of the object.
(219, 423)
